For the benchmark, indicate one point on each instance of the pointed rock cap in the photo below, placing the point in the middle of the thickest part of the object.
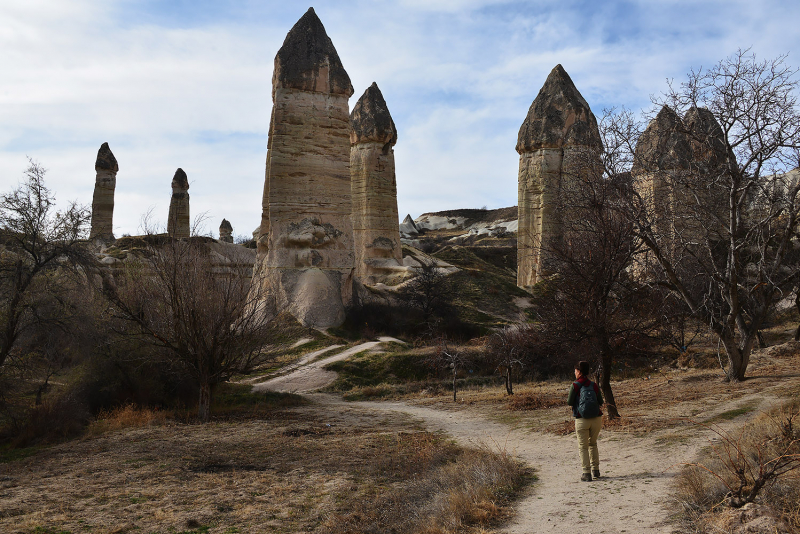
(664, 144)
(308, 61)
(707, 139)
(106, 160)
(558, 117)
(180, 182)
(408, 227)
(371, 120)
(225, 225)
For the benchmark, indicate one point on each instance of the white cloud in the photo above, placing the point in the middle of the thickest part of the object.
(458, 76)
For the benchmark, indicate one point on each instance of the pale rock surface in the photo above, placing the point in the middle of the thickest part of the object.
(305, 244)
(376, 231)
(226, 231)
(407, 228)
(106, 168)
(178, 221)
(556, 143)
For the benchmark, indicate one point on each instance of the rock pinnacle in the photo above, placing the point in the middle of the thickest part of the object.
(371, 120)
(559, 116)
(308, 61)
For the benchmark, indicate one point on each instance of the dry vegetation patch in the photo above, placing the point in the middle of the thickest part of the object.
(297, 470)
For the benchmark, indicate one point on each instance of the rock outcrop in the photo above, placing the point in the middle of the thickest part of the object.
(178, 223)
(558, 142)
(408, 229)
(376, 229)
(106, 168)
(225, 231)
(305, 244)
(676, 162)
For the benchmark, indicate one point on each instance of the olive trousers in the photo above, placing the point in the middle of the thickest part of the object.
(587, 430)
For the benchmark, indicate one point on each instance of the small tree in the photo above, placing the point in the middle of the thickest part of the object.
(507, 350)
(430, 291)
(448, 357)
(195, 304)
(40, 247)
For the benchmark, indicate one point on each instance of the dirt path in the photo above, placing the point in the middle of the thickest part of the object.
(631, 495)
(309, 373)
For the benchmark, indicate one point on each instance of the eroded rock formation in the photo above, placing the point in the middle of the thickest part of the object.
(226, 231)
(676, 162)
(376, 228)
(557, 142)
(305, 243)
(178, 223)
(106, 168)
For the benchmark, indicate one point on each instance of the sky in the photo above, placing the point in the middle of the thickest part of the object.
(187, 84)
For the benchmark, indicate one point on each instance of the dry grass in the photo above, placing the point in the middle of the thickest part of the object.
(470, 491)
(128, 416)
(703, 491)
(290, 470)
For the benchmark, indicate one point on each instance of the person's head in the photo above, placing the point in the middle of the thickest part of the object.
(582, 368)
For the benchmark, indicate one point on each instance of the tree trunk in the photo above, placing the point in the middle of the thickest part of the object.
(454, 384)
(509, 386)
(797, 305)
(204, 404)
(738, 358)
(605, 382)
(761, 343)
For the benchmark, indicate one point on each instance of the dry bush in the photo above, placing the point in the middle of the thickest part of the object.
(531, 400)
(127, 416)
(759, 463)
(470, 489)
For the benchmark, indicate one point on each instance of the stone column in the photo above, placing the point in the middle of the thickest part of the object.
(225, 231)
(103, 199)
(558, 141)
(179, 224)
(306, 236)
(376, 226)
(663, 153)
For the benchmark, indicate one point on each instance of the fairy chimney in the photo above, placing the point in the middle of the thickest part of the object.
(178, 224)
(557, 143)
(226, 231)
(103, 199)
(305, 244)
(376, 227)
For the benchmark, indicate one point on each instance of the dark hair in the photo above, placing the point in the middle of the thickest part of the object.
(584, 367)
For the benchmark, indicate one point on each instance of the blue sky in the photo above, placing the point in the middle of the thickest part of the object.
(187, 84)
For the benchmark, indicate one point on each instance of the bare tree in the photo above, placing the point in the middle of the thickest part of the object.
(593, 305)
(40, 247)
(450, 358)
(192, 300)
(507, 350)
(430, 291)
(725, 245)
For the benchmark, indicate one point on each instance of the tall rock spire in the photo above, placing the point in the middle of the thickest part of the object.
(376, 227)
(305, 244)
(178, 223)
(106, 168)
(557, 143)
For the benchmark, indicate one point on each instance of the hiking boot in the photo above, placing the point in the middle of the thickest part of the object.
(586, 477)
(596, 473)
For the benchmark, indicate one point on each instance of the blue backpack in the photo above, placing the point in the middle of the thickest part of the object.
(588, 407)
